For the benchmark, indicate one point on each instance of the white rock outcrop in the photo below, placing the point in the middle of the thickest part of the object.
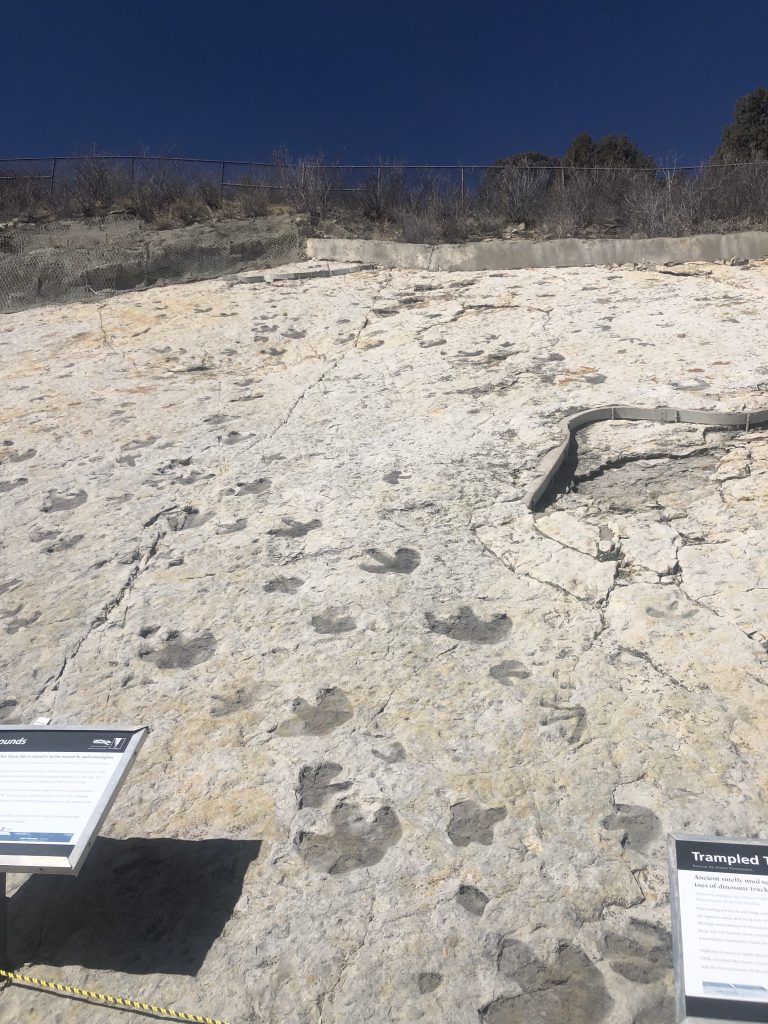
(414, 751)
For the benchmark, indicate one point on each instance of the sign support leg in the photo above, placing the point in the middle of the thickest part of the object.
(4, 963)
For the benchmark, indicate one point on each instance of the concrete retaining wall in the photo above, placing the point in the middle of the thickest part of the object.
(559, 252)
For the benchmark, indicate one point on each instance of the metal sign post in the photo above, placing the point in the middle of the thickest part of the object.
(719, 902)
(4, 964)
(56, 789)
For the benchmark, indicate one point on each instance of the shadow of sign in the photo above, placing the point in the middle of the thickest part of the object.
(140, 906)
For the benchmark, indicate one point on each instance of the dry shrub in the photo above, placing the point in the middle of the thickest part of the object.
(307, 184)
(516, 192)
(665, 204)
(433, 210)
(567, 200)
(735, 195)
(252, 195)
(22, 194)
(96, 183)
(188, 210)
(383, 194)
(208, 192)
(157, 186)
(584, 201)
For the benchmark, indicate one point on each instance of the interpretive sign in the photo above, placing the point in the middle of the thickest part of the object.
(56, 788)
(719, 898)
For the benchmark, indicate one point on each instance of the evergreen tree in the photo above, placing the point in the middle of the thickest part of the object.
(530, 159)
(611, 151)
(746, 138)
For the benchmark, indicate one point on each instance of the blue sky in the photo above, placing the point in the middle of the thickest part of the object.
(432, 82)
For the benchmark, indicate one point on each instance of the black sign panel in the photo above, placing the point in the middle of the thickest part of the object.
(720, 897)
(52, 741)
(56, 786)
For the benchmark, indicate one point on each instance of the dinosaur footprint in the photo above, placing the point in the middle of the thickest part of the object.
(293, 528)
(466, 626)
(471, 823)
(358, 840)
(330, 711)
(404, 562)
(315, 785)
(570, 721)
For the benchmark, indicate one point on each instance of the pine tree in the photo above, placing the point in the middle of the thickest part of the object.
(746, 138)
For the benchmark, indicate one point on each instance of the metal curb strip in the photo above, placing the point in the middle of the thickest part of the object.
(100, 997)
(303, 275)
(554, 459)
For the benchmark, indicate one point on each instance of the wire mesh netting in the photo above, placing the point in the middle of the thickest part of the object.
(34, 273)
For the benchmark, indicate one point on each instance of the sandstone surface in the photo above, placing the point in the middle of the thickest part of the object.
(415, 751)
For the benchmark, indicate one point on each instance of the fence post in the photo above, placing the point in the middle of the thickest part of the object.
(53, 175)
(221, 182)
(133, 168)
(378, 184)
(462, 188)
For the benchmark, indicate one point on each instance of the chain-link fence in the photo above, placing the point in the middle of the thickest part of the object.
(105, 178)
(423, 200)
(101, 179)
(38, 274)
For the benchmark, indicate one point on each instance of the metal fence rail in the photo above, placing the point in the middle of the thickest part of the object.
(226, 174)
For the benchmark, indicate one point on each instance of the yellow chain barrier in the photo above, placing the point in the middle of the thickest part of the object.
(99, 997)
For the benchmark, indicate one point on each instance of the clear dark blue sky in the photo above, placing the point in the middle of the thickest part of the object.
(433, 81)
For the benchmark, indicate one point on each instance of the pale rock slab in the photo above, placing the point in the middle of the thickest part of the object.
(414, 753)
(522, 547)
(650, 545)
